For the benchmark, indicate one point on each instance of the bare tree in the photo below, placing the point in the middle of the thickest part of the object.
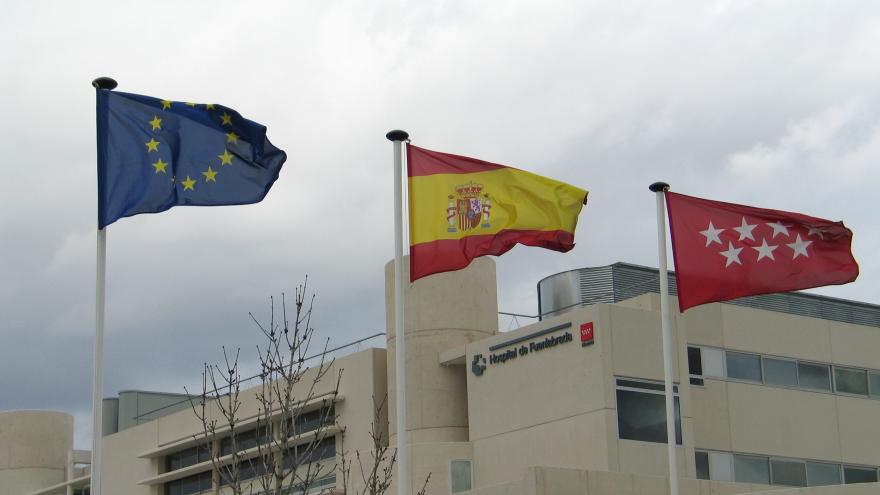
(376, 466)
(287, 447)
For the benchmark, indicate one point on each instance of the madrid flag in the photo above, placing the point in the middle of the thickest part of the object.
(723, 251)
(461, 208)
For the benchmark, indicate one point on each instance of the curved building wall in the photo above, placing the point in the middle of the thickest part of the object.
(34, 446)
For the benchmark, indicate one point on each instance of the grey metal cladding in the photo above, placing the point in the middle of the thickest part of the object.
(620, 281)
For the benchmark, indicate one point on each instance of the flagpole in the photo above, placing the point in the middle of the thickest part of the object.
(397, 137)
(659, 188)
(97, 370)
(98, 356)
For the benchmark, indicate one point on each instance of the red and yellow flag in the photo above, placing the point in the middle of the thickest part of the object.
(461, 208)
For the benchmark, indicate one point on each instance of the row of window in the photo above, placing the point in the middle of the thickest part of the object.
(785, 372)
(744, 468)
(304, 423)
(641, 411)
(252, 468)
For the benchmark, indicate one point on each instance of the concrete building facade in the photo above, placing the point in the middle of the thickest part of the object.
(774, 394)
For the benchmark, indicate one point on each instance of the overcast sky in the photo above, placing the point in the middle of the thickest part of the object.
(774, 104)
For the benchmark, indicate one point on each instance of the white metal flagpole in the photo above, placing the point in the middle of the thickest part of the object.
(659, 188)
(97, 371)
(100, 83)
(403, 476)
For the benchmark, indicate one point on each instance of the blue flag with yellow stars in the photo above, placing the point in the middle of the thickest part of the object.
(154, 154)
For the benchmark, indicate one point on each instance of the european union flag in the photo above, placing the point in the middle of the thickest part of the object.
(155, 154)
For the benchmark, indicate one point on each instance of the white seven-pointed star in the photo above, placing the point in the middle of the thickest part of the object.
(800, 247)
(712, 234)
(764, 250)
(816, 231)
(745, 230)
(732, 254)
(778, 228)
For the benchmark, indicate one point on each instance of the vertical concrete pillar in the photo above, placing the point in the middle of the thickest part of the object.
(34, 449)
(442, 311)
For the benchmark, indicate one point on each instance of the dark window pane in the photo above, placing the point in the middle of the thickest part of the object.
(189, 485)
(697, 381)
(204, 453)
(312, 420)
(780, 372)
(788, 473)
(874, 380)
(702, 460)
(642, 416)
(814, 376)
(744, 366)
(751, 469)
(859, 475)
(189, 457)
(850, 381)
(460, 476)
(695, 361)
(822, 474)
(205, 481)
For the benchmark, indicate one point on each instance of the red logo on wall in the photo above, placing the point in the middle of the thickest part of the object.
(586, 333)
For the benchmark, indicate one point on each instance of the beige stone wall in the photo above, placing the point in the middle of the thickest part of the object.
(363, 377)
(763, 419)
(34, 447)
(525, 411)
(122, 468)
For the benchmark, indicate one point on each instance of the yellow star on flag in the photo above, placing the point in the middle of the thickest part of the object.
(209, 106)
(156, 122)
(152, 145)
(166, 104)
(160, 166)
(189, 184)
(225, 158)
(210, 175)
(226, 119)
(232, 138)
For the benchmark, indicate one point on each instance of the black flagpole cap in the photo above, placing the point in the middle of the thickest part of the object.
(397, 135)
(658, 186)
(104, 83)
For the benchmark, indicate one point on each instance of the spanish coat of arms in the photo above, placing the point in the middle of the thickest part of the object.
(468, 208)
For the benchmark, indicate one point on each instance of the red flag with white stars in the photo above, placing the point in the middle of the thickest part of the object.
(724, 251)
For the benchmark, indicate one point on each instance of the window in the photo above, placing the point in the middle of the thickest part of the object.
(713, 362)
(720, 466)
(853, 474)
(744, 366)
(702, 462)
(247, 469)
(188, 457)
(751, 469)
(313, 420)
(460, 477)
(874, 381)
(822, 474)
(244, 440)
(641, 412)
(788, 473)
(196, 483)
(324, 449)
(695, 365)
(780, 372)
(723, 466)
(814, 376)
(850, 381)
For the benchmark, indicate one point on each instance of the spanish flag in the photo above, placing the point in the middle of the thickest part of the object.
(461, 208)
